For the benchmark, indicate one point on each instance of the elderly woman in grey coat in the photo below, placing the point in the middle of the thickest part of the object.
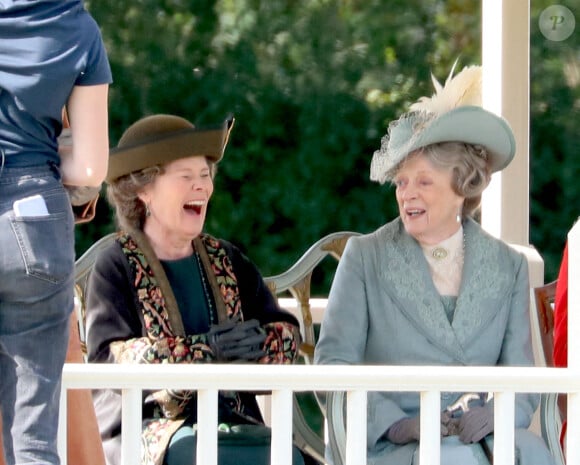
(432, 287)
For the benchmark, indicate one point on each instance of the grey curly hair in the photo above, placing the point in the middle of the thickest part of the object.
(470, 169)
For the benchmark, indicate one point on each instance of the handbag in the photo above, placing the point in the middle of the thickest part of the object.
(86, 212)
(83, 202)
(83, 199)
(242, 435)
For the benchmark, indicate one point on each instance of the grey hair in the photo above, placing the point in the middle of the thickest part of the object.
(123, 195)
(470, 169)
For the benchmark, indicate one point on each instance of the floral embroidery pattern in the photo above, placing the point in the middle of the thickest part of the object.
(162, 346)
(150, 297)
(224, 273)
(281, 343)
(155, 439)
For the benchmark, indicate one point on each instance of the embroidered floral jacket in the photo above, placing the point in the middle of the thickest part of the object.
(132, 317)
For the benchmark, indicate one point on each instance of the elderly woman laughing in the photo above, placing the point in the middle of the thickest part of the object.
(167, 292)
(431, 287)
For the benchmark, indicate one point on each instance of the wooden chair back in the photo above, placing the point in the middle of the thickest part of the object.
(296, 280)
(544, 299)
(550, 417)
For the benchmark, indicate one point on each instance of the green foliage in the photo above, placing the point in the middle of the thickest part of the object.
(555, 114)
(313, 85)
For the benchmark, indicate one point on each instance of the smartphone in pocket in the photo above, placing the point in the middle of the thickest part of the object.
(30, 206)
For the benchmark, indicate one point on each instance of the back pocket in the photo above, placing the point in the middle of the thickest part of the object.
(46, 245)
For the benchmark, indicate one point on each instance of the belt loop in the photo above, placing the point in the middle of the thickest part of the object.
(55, 169)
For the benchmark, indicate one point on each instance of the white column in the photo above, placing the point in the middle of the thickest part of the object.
(503, 437)
(281, 451)
(207, 418)
(574, 297)
(356, 427)
(506, 86)
(573, 451)
(131, 431)
(430, 444)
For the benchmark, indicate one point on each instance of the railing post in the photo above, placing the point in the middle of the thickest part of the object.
(356, 427)
(504, 435)
(574, 297)
(430, 444)
(572, 446)
(207, 418)
(356, 381)
(573, 432)
(281, 450)
(132, 424)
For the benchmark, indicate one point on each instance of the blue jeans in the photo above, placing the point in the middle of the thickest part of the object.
(36, 300)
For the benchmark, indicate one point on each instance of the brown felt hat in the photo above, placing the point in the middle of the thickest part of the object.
(160, 139)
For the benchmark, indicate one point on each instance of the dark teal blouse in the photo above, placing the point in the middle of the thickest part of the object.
(191, 292)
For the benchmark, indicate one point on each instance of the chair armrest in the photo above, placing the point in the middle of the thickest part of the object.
(551, 425)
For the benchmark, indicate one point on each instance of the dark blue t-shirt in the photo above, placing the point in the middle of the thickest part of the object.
(46, 48)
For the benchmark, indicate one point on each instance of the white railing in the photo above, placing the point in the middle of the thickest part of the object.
(430, 381)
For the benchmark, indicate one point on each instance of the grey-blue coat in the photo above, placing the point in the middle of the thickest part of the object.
(384, 309)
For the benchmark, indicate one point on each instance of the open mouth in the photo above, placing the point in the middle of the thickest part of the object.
(414, 212)
(194, 206)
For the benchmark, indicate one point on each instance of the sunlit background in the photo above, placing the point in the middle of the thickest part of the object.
(313, 85)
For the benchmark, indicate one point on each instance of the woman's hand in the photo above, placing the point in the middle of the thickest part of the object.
(407, 429)
(234, 340)
(475, 424)
(404, 431)
(449, 424)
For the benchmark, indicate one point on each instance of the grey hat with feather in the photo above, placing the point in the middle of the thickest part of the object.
(452, 114)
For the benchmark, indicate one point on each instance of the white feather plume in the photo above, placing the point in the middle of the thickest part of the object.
(463, 89)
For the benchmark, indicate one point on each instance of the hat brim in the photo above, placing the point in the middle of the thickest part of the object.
(472, 125)
(159, 150)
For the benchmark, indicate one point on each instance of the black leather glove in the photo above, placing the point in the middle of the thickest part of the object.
(403, 431)
(476, 423)
(235, 340)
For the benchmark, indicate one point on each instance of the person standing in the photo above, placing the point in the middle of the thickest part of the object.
(51, 56)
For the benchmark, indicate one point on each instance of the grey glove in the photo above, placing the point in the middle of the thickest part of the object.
(235, 340)
(476, 423)
(403, 431)
(449, 424)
